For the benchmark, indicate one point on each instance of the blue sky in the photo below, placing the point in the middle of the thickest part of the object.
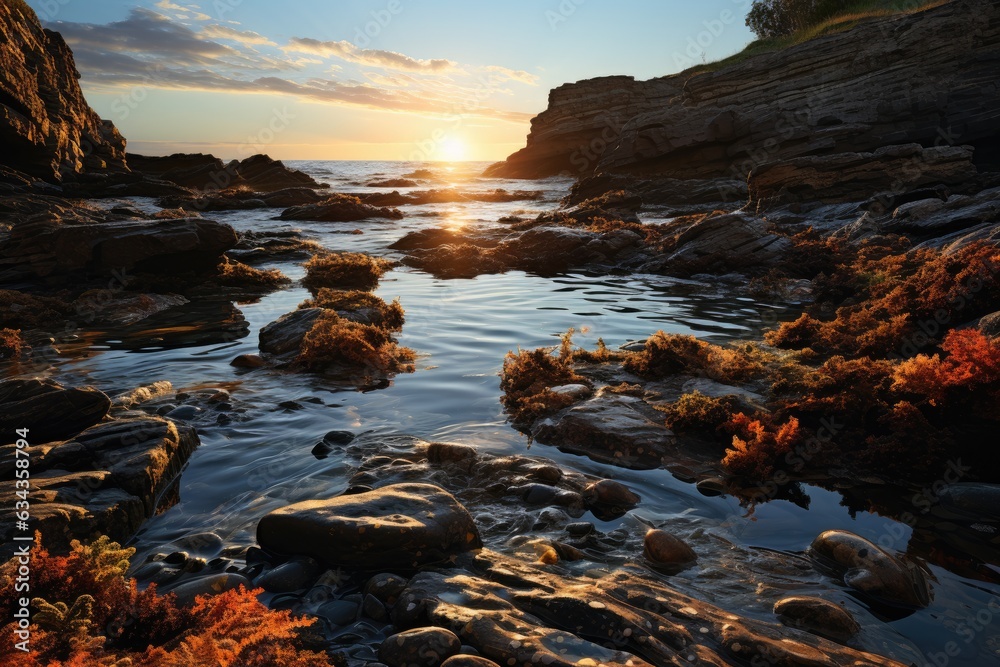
(366, 79)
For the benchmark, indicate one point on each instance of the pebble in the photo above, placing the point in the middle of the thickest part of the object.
(580, 529)
(185, 412)
(373, 608)
(817, 616)
(248, 361)
(666, 550)
(339, 612)
(294, 575)
(422, 647)
(386, 587)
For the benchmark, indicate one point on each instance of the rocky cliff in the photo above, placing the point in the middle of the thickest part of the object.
(47, 129)
(928, 78)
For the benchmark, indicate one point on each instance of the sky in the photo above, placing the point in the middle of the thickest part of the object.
(366, 79)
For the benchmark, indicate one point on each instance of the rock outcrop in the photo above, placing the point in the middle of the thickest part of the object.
(208, 174)
(926, 78)
(90, 474)
(47, 129)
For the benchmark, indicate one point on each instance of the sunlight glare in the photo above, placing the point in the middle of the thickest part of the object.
(452, 150)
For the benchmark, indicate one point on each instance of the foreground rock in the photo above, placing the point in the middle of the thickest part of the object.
(47, 129)
(399, 526)
(422, 647)
(818, 616)
(516, 613)
(106, 479)
(917, 74)
(871, 571)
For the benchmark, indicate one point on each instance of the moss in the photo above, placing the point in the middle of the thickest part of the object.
(387, 315)
(344, 270)
(666, 354)
(19, 310)
(11, 343)
(698, 413)
(235, 274)
(366, 350)
(528, 376)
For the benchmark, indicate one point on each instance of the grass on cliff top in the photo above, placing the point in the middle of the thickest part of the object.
(854, 14)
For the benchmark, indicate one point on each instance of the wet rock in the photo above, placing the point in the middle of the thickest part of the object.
(871, 571)
(577, 391)
(340, 208)
(142, 394)
(423, 647)
(386, 587)
(339, 612)
(444, 452)
(211, 585)
(518, 613)
(248, 361)
(397, 526)
(610, 429)
(672, 192)
(373, 608)
(721, 243)
(294, 575)
(108, 479)
(283, 337)
(48, 409)
(611, 493)
(969, 502)
(667, 551)
(580, 529)
(465, 660)
(712, 486)
(990, 325)
(207, 173)
(818, 616)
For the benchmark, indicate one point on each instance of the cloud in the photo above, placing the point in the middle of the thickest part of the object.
(151, 50)
(216, 31)
(191, 11)
(371, 57)
(513, 74)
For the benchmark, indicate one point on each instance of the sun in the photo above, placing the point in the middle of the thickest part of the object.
(452, 150)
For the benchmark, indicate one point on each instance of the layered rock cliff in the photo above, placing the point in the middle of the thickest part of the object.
(47, 129)
(929, 78)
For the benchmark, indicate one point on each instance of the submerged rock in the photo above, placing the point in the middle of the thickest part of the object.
(339, 208)
(872, 571)
(397, 526)
(818, 616)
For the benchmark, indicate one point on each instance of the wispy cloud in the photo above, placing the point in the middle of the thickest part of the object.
(216, 31)
(153, 50)
(373, 57)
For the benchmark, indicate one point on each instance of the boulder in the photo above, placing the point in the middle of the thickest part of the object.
(722, 243)
(872, 571)
(283, 337)
(402, 526)
(667, 551)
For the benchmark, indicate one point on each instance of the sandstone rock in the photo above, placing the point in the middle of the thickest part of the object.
(397, 526)
(610, 429)
(422, 647)
(818, 616)
(47, 128)
(48, 410)
(872, 571)
(107, 480)
(937, 217)
(208, 175)
(856, 176)
(673, 192)
(339, 208)
(890, 81)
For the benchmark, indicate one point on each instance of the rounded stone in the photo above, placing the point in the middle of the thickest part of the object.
(422, 647)
(386, 587)
(339, 612)
(464, 660)
(291, 576)
(818, 616)
(609, 492)
(666, 550)
(211, 585)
